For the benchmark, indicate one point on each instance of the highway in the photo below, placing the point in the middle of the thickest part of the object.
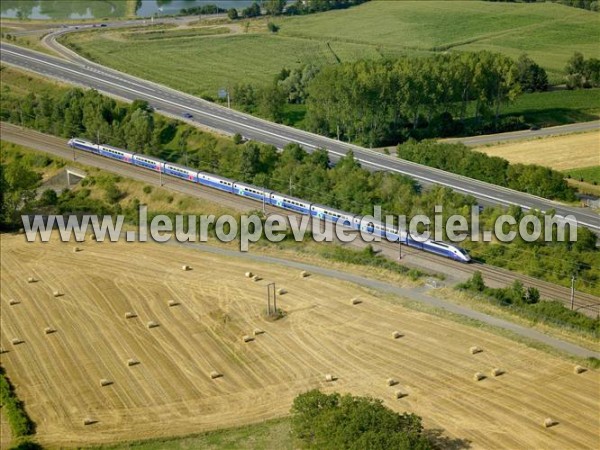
(171, 102)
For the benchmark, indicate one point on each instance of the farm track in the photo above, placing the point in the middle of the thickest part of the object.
(584, 302)
(170, 392)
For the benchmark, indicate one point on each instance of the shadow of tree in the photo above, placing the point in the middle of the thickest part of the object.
(440, 441)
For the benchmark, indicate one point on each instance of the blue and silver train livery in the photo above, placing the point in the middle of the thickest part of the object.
(261, 194)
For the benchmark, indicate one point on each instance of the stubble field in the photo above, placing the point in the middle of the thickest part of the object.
(170, 392)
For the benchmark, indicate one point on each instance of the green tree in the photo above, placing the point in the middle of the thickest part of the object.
(251, 11)
(274, 7)
(531, 76)
(232, 13)
(346, 422)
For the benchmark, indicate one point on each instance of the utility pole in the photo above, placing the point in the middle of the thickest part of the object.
(399, 246)
(572, 292)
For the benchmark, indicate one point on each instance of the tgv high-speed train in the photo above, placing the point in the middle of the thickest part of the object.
(272, 198)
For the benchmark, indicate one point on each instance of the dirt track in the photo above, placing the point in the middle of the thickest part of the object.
(170, 392)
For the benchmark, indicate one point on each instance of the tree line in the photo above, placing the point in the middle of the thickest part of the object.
(382, 102)
(458, 158)
(590, 5)
(281, 7)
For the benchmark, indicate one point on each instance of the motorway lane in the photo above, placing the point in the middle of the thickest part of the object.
(228, 121)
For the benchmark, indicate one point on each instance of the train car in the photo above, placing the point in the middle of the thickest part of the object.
(182, 172)
(254, 192)
(380, 229)
(442, 249)
(332, 215)
(291, 203)
(115, 153)
(216, 182)
(149, 163)
(82, 144)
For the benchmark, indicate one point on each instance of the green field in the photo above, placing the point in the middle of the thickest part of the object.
(200, 65)
(550, 33)
(588, 174)
(557, 107)
(266, 435)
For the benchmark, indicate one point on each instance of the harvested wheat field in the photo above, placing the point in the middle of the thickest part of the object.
(558, 152)
(194, 371)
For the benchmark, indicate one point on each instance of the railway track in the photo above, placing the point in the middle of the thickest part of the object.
(584, 302)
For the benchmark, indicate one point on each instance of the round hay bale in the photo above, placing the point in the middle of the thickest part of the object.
(256, 278)
(214, 374)
(21, 230)
(478, 376)
(249, 274)
(400, 394)
(474, 350)
(281, 291)
(105, 382)
(258, 331)
(548, 422)
(12, 302)
(132, 362)
(304, 274)
(151, 324)
(89, 421)
(247, 338)
(173, 303)
(93, 237)
(329, 377)
(76, 249)
(579, 369)
(391, 382)
(185, 267)
(497, 372)
(57, 294)
(130, 315)
(396, 334)
(16, 341)
(31, 280)
(3, 350)
(49, 330)
(355, 301)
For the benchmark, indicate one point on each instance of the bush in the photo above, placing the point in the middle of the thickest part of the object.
(19, 421)
(272, 27)
(237, 138)
(525, 303)
(112, 193)
(48, 198)
(147, 189)
(232, 14)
